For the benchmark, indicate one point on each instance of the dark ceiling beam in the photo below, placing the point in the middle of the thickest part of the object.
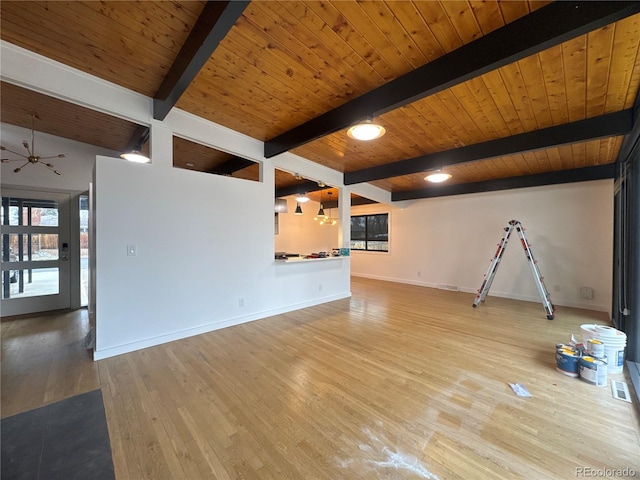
(139, 137)
(612, 124)
(212, 25)
(631, 143)
(546, 27)
(229, 167)
(354, 201)
(299, 188)
(548, 178)
(361, 201)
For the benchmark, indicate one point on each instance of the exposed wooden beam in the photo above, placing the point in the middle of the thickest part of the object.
(231, 166)
(548, 178)
(548, 26)
(617, 123)
(212, 25)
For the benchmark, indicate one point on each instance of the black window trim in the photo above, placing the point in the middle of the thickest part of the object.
(367, 239)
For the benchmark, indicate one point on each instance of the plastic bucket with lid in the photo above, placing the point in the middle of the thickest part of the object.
(614, 342)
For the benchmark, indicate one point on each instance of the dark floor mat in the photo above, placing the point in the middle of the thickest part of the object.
(65, 440)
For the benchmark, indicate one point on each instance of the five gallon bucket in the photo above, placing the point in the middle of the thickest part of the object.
(614, 342)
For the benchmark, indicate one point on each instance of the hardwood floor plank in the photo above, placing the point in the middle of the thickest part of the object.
(44, 360)
(399, 381)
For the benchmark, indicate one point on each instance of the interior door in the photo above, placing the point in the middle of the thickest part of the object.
(35, 251)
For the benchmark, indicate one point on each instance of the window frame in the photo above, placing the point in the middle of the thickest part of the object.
(367, 239)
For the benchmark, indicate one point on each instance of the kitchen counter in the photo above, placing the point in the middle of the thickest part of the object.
(308, 260)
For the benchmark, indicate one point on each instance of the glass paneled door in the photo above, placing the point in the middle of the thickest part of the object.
(35, 251)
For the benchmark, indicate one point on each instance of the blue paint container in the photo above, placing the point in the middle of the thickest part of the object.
(593, 371)
(567, 360)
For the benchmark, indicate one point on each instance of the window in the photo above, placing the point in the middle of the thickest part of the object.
(370, 232)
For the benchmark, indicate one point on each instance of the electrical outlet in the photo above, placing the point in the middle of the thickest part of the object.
(419, 273)
(241, 302)
(320, 287)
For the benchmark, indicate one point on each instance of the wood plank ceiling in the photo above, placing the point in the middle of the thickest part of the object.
(284, 64)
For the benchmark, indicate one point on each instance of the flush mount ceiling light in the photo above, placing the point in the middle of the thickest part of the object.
(301, 197)
(32, 158)
(438, 177)
(366, 130)
(135, 156)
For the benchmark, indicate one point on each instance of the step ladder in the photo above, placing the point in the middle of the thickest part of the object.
(495, 263)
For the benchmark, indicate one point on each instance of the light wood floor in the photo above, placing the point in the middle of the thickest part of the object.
(398, 382)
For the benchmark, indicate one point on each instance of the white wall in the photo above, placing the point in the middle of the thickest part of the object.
(451, 240)
(301, 233)
(203, 243)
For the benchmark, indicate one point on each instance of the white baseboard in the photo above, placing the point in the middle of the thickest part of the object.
(510, 295)
(101, 354)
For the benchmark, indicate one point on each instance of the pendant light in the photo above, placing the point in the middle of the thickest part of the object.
(325, 219)
(321, 213)
(298, 210)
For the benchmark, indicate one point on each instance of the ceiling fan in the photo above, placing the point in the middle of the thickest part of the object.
(32, 157)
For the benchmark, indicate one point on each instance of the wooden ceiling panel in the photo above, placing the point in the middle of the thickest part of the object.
(132, 44)
(285, 63)
(537, 92)
(579, 155)
(202, 158)
(288, 62)
(623, 81)
(63, 119)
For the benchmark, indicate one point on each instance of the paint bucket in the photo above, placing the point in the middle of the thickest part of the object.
(567, 359)
(614, 342)
(595, 348)
(593, 371)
